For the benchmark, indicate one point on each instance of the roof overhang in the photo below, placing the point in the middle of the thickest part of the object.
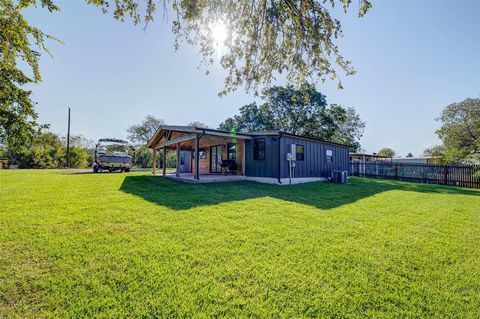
(190, 133)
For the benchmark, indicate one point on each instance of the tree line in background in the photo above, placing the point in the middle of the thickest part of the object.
(299, 111)
(48, 150)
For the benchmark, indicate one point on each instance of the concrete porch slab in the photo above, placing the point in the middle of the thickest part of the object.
(207, 178)
(218, 178)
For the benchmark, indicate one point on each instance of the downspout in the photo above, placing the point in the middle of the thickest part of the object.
(279, 159)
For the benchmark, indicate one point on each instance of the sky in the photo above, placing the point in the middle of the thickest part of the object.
(412, 58)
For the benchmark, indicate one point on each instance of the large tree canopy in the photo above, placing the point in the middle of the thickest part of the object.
(19, 41)
(387, 152)
(259, 39)
(460, 132)
(142, 133)
(349, 127)
(301, 111)
(197, 124)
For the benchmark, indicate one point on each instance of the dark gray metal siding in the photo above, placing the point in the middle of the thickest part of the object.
(262, 168)
(315, 162)
(314, 165)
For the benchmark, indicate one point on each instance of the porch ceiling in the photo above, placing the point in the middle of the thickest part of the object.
(205, 141)
(169, 136)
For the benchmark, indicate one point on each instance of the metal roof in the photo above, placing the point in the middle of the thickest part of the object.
(194, 129)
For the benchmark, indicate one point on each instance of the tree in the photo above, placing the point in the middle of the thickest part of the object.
(387, 152)
(297, 111)
(197, 124)
(460, 131)
(143, 157)
(440, 154)
(409, 154)
(143, 132)
(44, 151)
(287, 109)
(260, 38)
(79, 141)
(350, 127)
(19, 41)
(301, 111)
(81, 154)
(79, 157)
(48, 150)
(250, 119)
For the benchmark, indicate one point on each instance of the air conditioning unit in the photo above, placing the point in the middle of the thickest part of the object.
(340, 177)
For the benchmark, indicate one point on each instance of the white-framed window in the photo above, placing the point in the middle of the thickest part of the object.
(329, 155)
(259, 149)
(299, 152)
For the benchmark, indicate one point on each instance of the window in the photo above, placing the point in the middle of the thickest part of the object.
(300, 151)
(201, 153)
(329, 154)
(232, 151)
(259, 149)
(182, 158)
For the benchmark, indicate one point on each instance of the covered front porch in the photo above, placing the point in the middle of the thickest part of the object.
(201, 153)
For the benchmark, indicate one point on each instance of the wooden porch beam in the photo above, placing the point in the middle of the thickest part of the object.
(164, 162)
(174, 141)
(243, 157)
(224, 134)
(154, 162)
(197, 155)
(169, 135)
(178, 160)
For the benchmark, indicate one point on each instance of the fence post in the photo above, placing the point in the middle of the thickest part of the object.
(396, 171)
(445, 175)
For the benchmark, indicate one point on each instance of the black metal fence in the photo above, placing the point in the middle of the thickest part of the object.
(454, 175)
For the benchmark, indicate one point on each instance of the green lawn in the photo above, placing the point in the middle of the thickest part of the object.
(134, 245)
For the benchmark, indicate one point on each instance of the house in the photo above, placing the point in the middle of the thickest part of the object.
(262, 157)
(364, 157)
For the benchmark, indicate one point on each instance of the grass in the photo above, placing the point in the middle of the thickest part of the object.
(134, 245)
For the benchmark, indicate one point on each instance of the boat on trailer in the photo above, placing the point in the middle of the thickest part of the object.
(111, 155)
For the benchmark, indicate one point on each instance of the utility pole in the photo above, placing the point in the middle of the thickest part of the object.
(67, 164)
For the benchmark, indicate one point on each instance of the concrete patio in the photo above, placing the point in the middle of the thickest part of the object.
(206, 178)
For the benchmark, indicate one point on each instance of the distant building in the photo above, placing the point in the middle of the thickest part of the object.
(416, 160)
(364, 157)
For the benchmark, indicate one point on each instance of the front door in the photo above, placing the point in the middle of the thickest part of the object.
(215, 159)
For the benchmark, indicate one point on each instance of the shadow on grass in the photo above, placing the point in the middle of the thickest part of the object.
(177, 195)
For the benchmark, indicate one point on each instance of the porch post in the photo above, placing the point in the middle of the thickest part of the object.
(178, 160)
(164, 162)
(197, 146)
(243, 157)
(154, 162)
